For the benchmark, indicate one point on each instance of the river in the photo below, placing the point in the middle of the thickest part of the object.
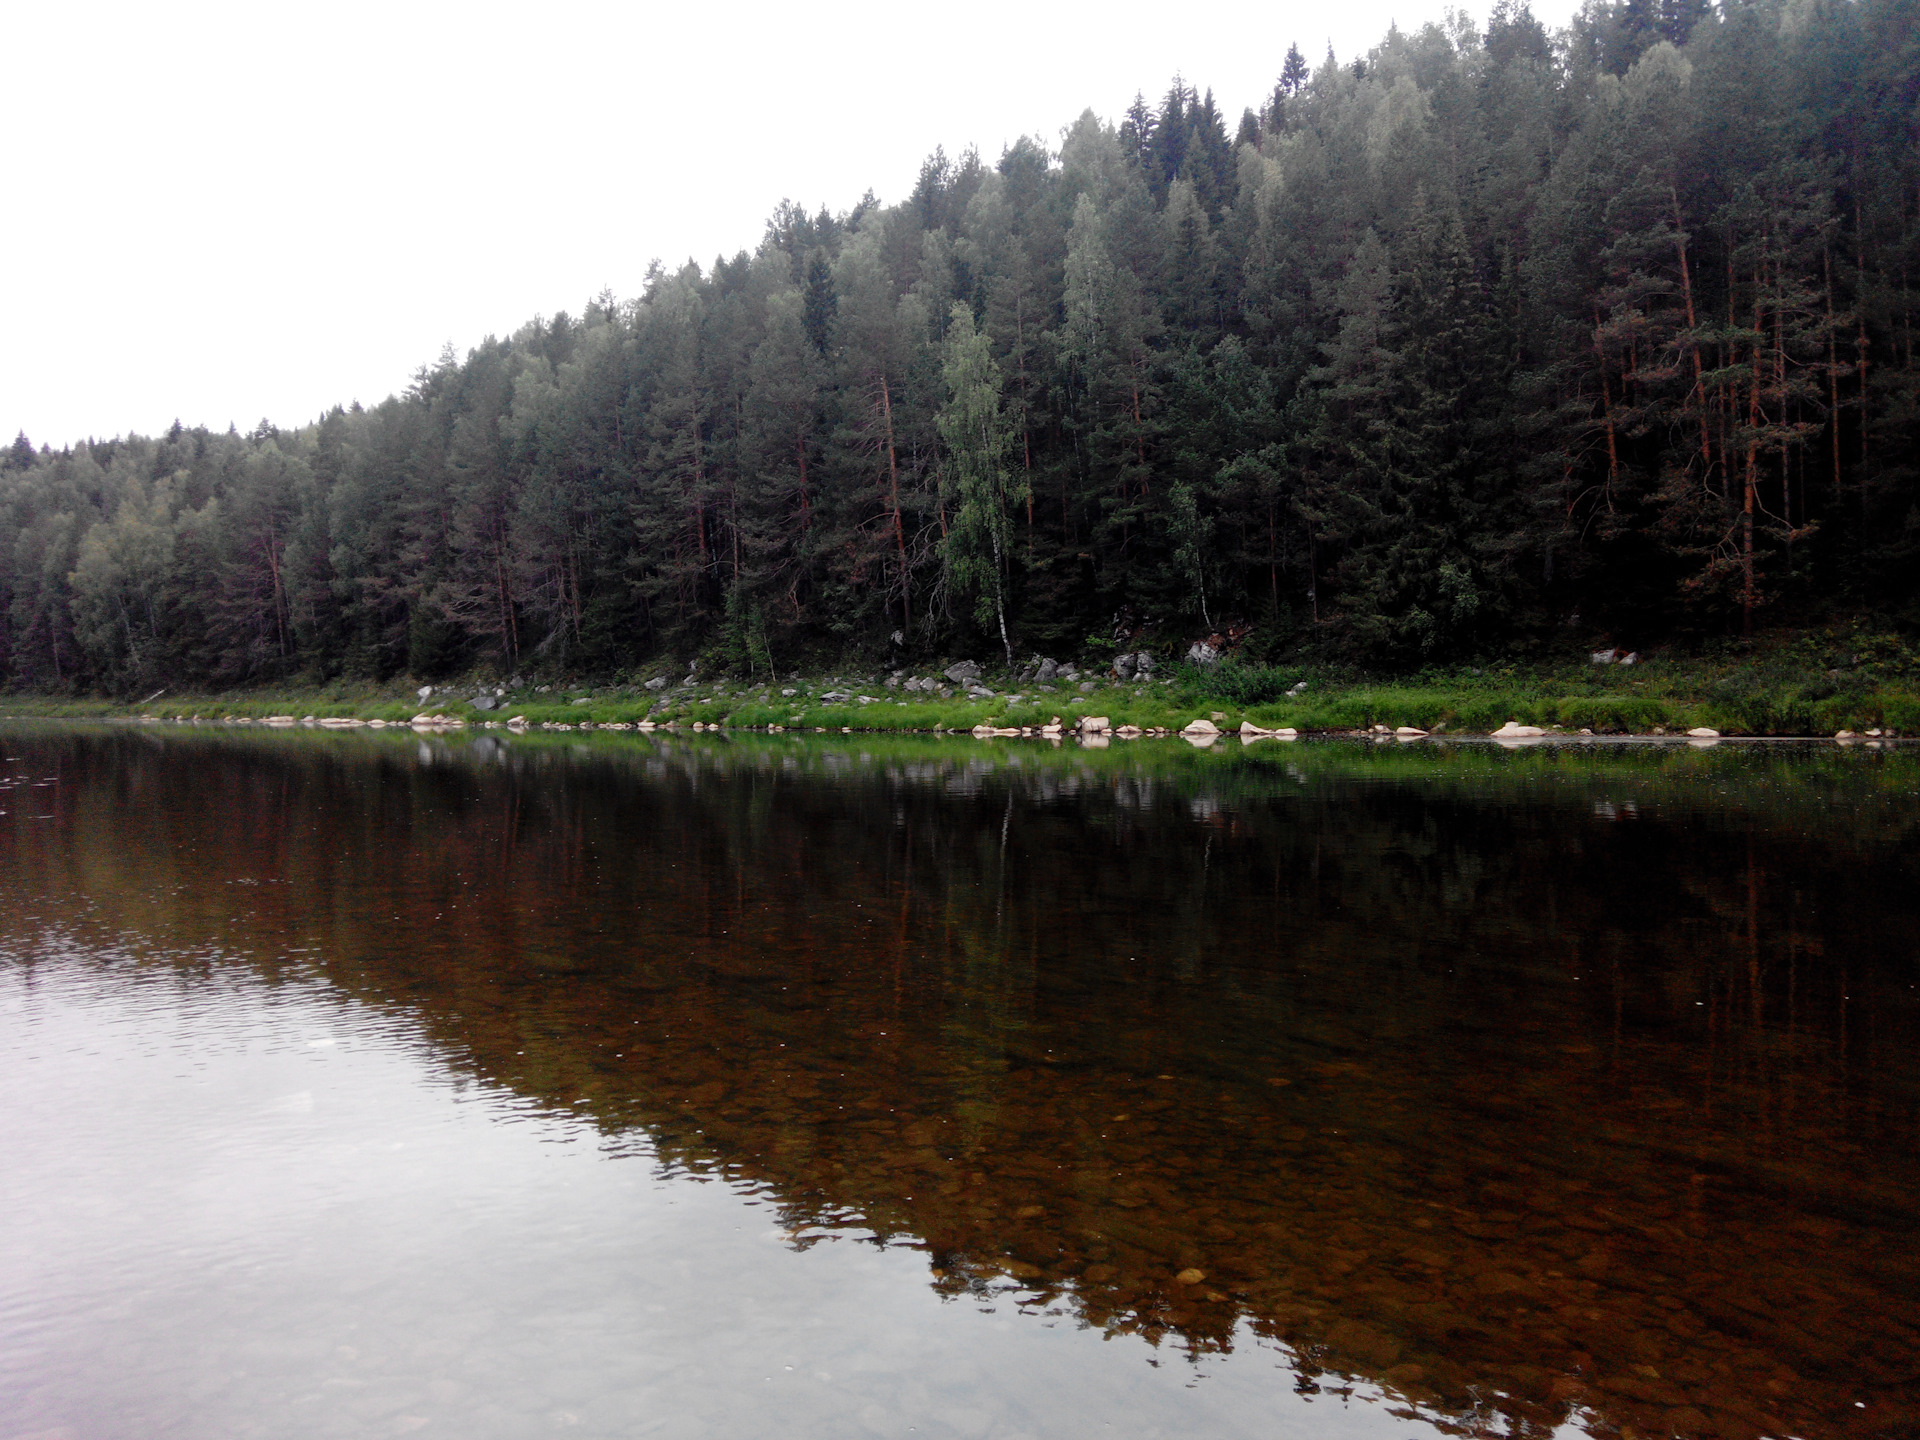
(479, 1086)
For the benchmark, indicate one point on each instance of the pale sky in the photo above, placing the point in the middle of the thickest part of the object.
(224, 213)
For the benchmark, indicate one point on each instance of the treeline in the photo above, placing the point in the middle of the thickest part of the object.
(1487, 340)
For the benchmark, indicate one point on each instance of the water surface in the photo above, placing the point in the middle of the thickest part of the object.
(633, 1085)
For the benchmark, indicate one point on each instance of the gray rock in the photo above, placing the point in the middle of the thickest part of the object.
(1046, 671)
(1086, 687)
(425, 691)
(483, 702)
(1201, 653)
(836, 697)
(962, 673)
(659, 682)
(1142, 663)
(1123, 666)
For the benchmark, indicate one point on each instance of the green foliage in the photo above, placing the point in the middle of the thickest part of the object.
(1477, 346)
(1244, 684)
(979, 543)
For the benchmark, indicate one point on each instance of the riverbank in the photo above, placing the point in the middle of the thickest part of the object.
(1648, 698)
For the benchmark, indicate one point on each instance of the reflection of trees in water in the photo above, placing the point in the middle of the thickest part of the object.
(1436, 1071)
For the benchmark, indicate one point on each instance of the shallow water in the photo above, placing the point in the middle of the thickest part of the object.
(367, 1084)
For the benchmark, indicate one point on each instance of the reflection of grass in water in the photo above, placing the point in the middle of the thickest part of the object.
(1392, 931)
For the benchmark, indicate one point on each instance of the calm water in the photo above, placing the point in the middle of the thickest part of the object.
(360, 1085)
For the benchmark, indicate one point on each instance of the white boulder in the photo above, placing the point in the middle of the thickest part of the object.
(1514, 730)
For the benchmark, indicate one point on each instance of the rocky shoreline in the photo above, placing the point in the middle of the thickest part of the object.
(1128, 697)
(1091, 731)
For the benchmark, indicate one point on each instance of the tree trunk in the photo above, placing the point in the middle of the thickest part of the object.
(279, 595)
(1752, 479)
(1000, 600)
(503, 594)
(1606, 412)
(800, 449)
(1860, 341)
(893, 498)
(1693, 343)
(1833, 371)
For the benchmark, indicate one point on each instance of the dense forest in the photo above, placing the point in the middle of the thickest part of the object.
(1487, 342)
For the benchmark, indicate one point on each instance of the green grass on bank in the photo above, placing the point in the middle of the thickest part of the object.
(1452, 709)
(1805, 685)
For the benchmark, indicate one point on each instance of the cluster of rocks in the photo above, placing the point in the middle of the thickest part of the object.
(916, 684)
(333, 722)
(1137, 665)
(1097, 730)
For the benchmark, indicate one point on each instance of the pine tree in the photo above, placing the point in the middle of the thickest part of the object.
(1293, 73)
(822, 303)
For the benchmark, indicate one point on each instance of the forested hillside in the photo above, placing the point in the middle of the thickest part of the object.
(1490, 341)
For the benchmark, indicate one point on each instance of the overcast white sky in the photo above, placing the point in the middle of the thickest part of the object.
(227, 212)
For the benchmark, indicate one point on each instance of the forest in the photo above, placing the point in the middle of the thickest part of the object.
(1488, 342)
